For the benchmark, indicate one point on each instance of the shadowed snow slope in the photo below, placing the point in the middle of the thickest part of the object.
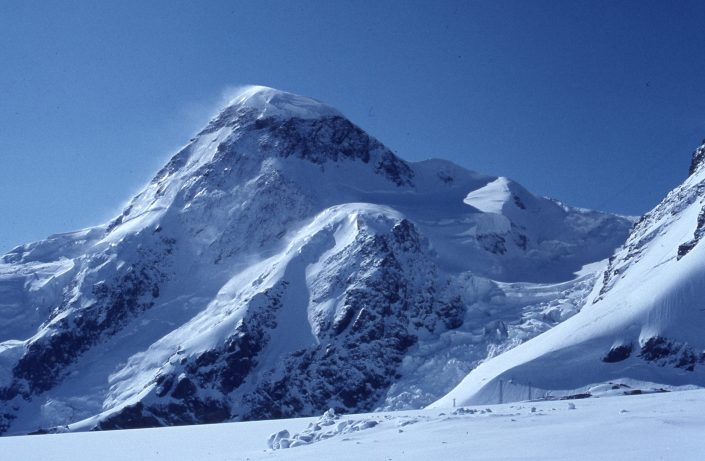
(644, 321)
(281, 263)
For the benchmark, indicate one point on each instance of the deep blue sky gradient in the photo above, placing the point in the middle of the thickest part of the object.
(596, 103)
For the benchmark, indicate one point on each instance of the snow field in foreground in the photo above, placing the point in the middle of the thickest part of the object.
(655, 426)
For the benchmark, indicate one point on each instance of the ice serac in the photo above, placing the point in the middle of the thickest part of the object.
(642, 328)
(282, 263)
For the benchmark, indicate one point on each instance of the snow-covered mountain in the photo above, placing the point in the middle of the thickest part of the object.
(282, 263)
(642, 328)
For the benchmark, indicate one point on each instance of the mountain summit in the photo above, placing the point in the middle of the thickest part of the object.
(282, 263)
(271, 103)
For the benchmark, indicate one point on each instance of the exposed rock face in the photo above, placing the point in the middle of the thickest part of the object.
(685, 248)
(618, 353)
(698, 159)
(283, 263)
(666, 352)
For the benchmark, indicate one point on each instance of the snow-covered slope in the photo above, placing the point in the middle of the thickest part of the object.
(281, 263)
(657, 426)
(644, 321)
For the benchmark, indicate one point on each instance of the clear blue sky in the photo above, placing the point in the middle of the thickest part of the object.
(595, 103)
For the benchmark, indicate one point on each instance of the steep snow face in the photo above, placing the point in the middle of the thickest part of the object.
(281, 263)
(644, 322)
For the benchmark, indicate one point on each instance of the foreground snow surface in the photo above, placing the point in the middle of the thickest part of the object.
(655, 426)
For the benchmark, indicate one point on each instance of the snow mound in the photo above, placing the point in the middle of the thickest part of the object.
(327, 426)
